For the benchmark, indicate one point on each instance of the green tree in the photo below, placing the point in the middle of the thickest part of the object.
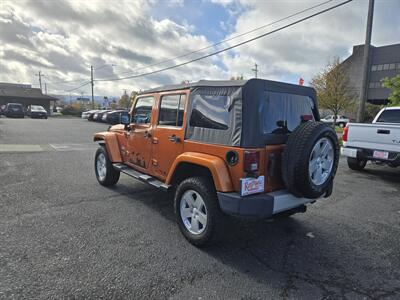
(237, 77)
(125, 101)
(394, 85)
(333, 89)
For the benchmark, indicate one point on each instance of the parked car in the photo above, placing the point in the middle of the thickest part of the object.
(115, 116)
(100, 115)
(36, 111)
(378, 142)
(2, 109)
(91, 115)
(85, 114)
(14, 110)
(250, 148)
(341, 121)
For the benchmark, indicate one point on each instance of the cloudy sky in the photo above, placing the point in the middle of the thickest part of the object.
(62, 38)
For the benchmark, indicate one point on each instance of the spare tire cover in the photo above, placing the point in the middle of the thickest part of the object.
(310, 160)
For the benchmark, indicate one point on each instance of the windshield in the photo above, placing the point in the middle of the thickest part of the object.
(390, 116)
(281, 113)
(37, 107)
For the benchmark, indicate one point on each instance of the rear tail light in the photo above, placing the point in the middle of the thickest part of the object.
(305, 118)
(251, 161)
(345, 133)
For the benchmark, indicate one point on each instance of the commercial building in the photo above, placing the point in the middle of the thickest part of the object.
(384, 62)
(24, 94)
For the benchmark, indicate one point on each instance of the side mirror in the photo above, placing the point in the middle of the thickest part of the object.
(125, 120)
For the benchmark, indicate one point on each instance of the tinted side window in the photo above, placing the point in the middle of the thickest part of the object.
(171, 110)
(210, 111)
(281, 113)
(390, 116)
(142, 111)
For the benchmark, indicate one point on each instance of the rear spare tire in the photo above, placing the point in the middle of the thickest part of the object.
(310, 160)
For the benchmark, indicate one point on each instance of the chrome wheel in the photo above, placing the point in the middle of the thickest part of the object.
(101, 166)
(321, 161)
(193, 212)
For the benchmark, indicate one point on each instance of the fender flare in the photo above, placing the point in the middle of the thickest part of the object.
(214, 164)
(111, 141)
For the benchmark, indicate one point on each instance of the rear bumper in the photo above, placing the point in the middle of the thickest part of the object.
(259, 205)
(367, 154)
(38, 115)
(15, 114)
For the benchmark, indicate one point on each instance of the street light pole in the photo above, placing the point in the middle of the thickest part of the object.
(365, 75)
(255, 69)
(92, 80)
(92, 84)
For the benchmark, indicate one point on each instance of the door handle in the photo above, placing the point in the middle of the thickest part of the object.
(383, 131)
(173, 138)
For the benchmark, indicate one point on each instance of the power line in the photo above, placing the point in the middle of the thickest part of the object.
(230, 47)
(67, 81)
(74, 89)
(225, 40)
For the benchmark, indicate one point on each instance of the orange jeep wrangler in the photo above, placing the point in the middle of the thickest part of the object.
(251, 148)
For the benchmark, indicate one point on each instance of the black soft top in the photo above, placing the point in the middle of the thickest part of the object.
(242, 110)
(272, 85)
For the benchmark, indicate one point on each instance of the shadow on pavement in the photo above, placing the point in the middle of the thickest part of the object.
(287, 252)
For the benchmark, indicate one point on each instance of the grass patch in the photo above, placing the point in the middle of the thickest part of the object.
(338, 129)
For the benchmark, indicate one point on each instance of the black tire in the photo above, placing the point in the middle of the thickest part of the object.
(296, 156)
(111, 175)
(215, 218)
(356, 164)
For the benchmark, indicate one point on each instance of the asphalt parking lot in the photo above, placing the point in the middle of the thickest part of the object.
(62, 235)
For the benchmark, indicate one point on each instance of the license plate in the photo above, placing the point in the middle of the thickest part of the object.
(381, 154)
(251, 185)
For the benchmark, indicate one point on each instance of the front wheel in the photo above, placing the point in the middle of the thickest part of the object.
(197, 210)
(105, 173)
(356, 164)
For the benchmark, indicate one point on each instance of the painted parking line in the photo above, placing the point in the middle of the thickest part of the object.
(73, 147)
(24, 148)
(16, 148)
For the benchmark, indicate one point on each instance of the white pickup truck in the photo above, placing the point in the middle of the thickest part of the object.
(378, 142)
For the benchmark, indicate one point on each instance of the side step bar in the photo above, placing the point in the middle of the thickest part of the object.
(141, 176)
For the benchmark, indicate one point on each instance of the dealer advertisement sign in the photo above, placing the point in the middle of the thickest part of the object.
(250, 186)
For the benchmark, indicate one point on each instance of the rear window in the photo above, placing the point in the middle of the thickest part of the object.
(281, 113)
(390, 116)
(15, 106)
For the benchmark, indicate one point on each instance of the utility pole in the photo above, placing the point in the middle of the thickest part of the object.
(45, 87)
(92, 83)
(40, 75)
(365, 75)
(255, 69)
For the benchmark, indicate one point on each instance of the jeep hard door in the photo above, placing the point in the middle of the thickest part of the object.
(140, 134)
(168, 133)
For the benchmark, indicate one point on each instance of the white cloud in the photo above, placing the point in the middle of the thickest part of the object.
(62, 38)
(302, 50)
